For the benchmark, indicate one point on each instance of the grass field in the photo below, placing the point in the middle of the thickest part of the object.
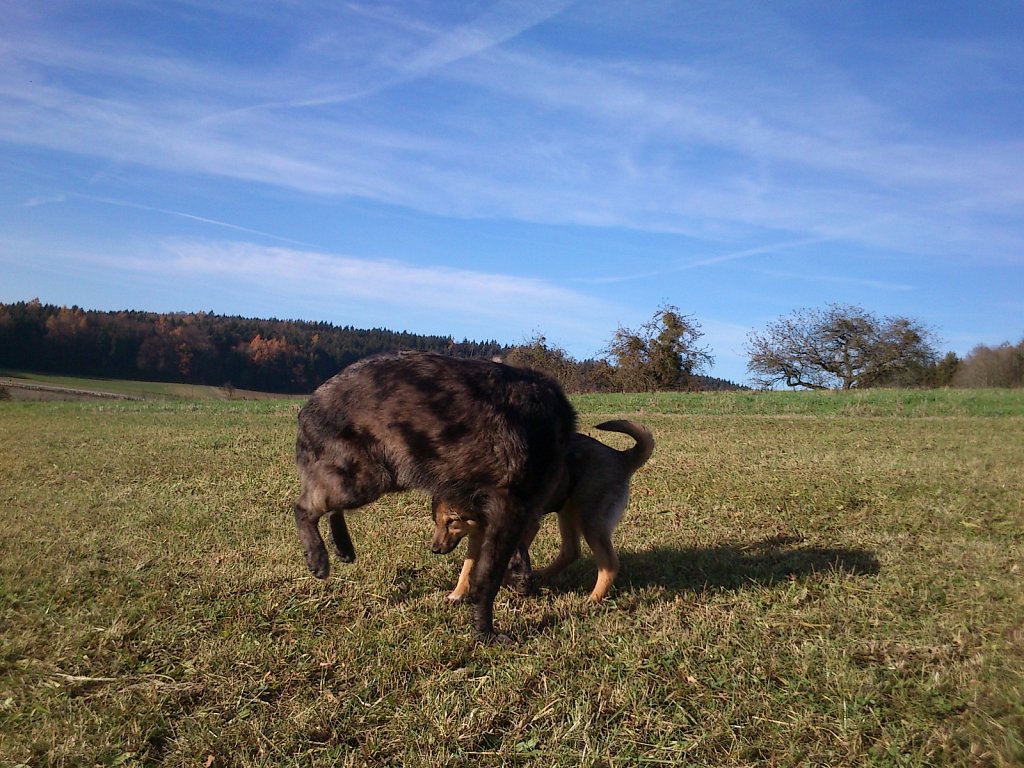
(823, 580)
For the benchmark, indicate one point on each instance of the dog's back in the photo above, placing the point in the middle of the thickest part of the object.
(446, 426)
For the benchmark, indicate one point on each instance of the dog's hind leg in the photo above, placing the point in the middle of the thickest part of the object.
(461, 590)
(326, 491)
(519, 576)
(607, 562)
(342, 541)
(312, 542)
(597, 527)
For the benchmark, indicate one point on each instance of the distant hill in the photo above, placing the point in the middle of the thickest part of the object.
(713, 384)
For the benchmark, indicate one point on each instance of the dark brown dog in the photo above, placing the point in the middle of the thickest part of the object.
(590, 506)
(482, 434)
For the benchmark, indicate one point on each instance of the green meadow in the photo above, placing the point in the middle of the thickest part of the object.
(823, 579)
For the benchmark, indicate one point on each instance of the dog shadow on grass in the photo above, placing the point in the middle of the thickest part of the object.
(728, 566)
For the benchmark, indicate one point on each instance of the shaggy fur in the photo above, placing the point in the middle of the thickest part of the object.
(590, 506)
(482, 434)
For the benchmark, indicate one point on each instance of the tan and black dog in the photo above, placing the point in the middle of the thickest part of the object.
(479, 433)
(590, 506)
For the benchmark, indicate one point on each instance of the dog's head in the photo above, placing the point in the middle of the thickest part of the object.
(451, 525)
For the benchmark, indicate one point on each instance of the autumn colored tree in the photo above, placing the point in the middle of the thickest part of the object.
(539, 355)
(664, 354)
(65, 331)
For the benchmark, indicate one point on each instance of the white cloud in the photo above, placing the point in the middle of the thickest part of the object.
(298, 275)
(34, 202)
(183, 215)
(246, 278)
(501, 22)
(879, 285)
(717, 147)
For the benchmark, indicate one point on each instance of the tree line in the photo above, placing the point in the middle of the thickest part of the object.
(286, 356)
(837, 347)
(985, 366)
(291, 356)
(840, 346)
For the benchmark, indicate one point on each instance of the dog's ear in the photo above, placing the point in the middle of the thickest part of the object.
(459, 529)
(441, 510)
(446, 514)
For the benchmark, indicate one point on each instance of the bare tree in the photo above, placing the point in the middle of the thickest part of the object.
(984, 366)
(842, 346)
(664, 354)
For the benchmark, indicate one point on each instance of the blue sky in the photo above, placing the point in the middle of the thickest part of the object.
(494, 170)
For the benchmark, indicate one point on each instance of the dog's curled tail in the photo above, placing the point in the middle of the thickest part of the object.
(639, 453)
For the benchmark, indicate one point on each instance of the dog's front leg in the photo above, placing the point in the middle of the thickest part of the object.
(506, 520)
(461, 590)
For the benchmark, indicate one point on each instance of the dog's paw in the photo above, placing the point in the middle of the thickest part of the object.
(318, 563)
(457, 598)
(493, 638)
(525, 586)
(343, 548)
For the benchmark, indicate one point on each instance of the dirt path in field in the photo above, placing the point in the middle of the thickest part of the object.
(26, 390)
